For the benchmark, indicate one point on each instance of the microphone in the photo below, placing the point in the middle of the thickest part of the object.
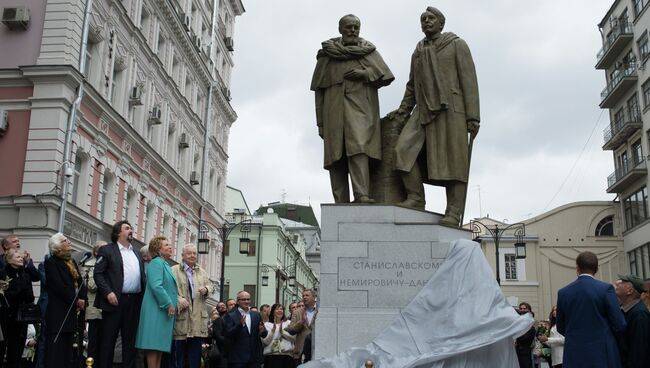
(87, 256)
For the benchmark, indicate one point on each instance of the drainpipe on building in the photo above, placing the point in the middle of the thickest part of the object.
(66, 169)
(258, 251)
(208, 120)
(206, 137)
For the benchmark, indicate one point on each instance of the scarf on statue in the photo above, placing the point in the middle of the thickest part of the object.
(335, 49)
(436, 95)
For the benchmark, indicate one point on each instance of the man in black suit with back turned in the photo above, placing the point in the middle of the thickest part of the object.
(120, 278)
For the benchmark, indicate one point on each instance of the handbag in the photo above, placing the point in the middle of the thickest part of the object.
(28, 313)
(214, 352)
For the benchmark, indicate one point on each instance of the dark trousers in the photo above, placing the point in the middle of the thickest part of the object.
(15, 334)
(123, 320)
(306, 349)
(244, 365)
(59, 353)
(279, 361)
(191, 347)
(94, 327)
(40, 345)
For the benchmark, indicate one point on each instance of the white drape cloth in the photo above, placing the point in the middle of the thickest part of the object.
(460, 319)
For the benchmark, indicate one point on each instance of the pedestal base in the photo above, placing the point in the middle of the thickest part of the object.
(374, 260)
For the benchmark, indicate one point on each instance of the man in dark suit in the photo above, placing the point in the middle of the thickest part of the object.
(243, 330)
(634, 346)
(120, 278)
(588, 316)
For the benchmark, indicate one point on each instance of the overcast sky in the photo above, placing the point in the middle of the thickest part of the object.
(541, 128)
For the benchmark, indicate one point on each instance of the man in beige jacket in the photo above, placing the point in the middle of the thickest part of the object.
(191, 325)
(303, 322)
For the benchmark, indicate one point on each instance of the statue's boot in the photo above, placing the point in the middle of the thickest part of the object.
(452, 217)
(364, 199)
(414, 189)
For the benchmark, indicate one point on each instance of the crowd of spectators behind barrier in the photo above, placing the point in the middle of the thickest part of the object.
(129, 308)
(120, 299)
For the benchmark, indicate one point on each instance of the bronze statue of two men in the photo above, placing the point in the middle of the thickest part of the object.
(439, 109)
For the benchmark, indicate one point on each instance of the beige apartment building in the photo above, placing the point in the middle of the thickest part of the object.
(150, 137)
(553, 240)
(624, 59)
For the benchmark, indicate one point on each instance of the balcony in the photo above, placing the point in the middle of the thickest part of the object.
(626, 175)
(620, 36)
(621, 130)
(622, 80)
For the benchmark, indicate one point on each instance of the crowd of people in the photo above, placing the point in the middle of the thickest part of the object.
(158, 314)
(134, 308)
(595, 324)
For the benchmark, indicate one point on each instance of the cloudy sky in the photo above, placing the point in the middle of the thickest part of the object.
(541, 128)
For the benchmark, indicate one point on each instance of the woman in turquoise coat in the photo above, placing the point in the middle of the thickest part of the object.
(158, 310)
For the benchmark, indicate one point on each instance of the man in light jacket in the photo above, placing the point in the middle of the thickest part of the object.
(191, 325)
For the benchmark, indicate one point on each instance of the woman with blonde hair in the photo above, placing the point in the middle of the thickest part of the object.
(158, 311)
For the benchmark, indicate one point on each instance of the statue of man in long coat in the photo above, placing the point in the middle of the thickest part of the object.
(442, 97)
(348, 73)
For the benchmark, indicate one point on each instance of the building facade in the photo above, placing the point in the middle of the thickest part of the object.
(150, 136)
(274, 267)
(624, 59)
(553, 241)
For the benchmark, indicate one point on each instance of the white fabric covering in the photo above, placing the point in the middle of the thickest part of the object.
(459, 319)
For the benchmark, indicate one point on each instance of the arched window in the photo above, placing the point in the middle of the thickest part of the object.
(605, 227)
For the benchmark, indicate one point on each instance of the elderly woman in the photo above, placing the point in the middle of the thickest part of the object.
(278, 343)
(158, 310)
(65, 288)
(19, 291)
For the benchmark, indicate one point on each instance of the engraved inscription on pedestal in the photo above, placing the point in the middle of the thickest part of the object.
(390, 277)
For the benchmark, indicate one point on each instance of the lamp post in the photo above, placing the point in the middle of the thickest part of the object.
(224, 231)
(265, 278)
(496, 233)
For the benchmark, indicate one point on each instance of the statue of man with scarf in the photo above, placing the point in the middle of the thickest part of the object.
(348, 73)
(442, 100)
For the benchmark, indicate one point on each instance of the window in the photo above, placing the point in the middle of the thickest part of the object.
(226, 292)
(251, 290)
(633, 106)
(637, 152)
(644, 48)
(605, 227)
(638, 6)
(511, 266)
(635, 208)
(622, 164)
(76, 180)
(646, 93)
(252, 248)
(618, 119)
(107, 193)
(639, 259)
(226, 248)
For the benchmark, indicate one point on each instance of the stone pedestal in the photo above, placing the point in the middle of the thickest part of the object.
(374, 260)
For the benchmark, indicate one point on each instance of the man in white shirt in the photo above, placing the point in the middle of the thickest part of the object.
(244, 328)
(120, 278)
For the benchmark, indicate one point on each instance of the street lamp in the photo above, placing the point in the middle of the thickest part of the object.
(224, 230)
(496, 233)
(244, 245)
(204, 239)
(265, 276)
